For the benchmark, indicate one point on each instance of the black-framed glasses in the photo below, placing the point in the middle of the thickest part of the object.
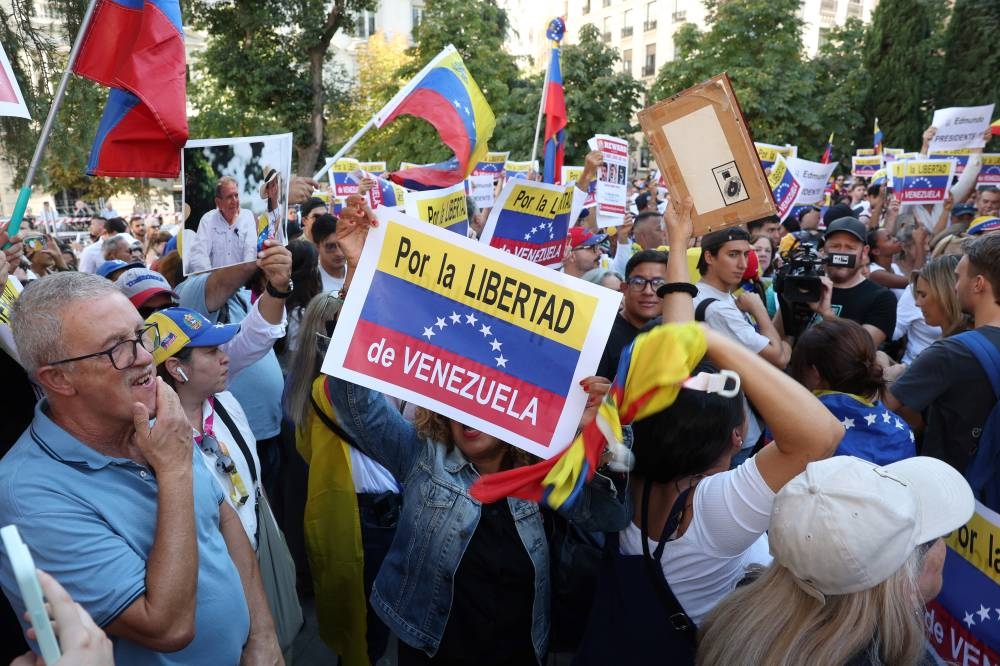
(638, 284)
(123, 354)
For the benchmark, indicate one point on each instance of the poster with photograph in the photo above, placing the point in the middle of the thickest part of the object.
(611, 193)
(236, 190)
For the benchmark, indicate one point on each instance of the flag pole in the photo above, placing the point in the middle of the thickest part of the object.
(541, 110)
(21, 205)
(343, 149)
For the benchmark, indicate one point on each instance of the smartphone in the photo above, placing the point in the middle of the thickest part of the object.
(31, 592)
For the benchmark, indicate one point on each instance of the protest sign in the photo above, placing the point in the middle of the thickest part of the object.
(768, 153)
(377, 169)
(520, 169)
(990, 173)
(252, 175)
(784, 186)
(812, 177)
(480, 188)
(611, 193)
(960, 127)
(961, 158)
(865, 152)
(963, 622)
(492, 164)
(11, 290)
(443, 208)
(702, 144)
(571, 174)
(385, 193)
(864, 166)
(891, 154)
(409, 165)
(339, 175)
(482, 337)
(924, 181)
(531, 221)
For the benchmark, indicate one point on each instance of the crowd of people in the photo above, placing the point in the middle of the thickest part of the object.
(182, 470)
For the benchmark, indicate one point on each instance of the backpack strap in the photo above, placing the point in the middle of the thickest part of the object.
(330, 423)
(987, 355)
(702, 309)
(238, 436)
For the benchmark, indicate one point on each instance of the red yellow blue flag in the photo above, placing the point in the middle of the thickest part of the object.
(555, 107)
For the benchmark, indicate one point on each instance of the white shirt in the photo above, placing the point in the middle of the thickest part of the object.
(331, 283)
(248, 511)
(91, 257)
(732, 511)
(896, 270)
(251, 343)
(910, 322)
(218, 243)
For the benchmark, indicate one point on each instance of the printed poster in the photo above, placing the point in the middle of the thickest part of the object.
(444, 208)
(961, 158)
(480, 188)
(340, 177)
(924, 181)
(990, 173)
(611, 194)
(531, 221)
(571, 174)
(812, 177)
(490, 340)
(768, 153)
(784, 186)
(385, 193)
(960, 127)
(865, 166)
(492, 164)
(519, 169)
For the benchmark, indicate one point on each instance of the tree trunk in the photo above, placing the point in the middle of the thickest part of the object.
(310, 154)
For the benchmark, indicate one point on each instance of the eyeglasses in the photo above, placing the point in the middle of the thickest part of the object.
(638, 284)
(124, 353)
(593, 247)
(224, 463)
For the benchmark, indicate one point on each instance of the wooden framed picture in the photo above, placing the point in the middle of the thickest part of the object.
(704, 150)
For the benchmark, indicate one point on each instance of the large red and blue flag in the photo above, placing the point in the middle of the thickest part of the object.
(136, 48)
(445, 95)
(555, 107)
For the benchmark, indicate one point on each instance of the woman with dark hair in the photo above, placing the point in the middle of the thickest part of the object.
(306, 284)
(836, 360)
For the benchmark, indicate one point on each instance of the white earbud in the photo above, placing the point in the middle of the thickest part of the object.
(180, 371)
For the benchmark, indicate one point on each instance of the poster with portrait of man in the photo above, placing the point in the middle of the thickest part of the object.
(235, 197)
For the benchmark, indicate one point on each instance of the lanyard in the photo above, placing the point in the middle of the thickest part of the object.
(210, 444)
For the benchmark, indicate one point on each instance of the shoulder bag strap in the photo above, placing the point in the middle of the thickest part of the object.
(702, 309)
(987, 355)
(238, 436)
(330, 423)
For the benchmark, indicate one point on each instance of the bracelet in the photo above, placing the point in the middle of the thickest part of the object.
(272, 291)
(677, 287)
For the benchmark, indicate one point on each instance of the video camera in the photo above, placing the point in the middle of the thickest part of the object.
(798, 279)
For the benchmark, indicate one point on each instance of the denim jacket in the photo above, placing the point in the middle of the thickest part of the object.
(413, 591)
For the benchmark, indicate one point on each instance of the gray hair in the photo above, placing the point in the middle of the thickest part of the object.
(110, 245)
(597, 275)
(36, 317)
(223, 181)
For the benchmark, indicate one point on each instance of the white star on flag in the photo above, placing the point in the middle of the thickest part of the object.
(527, 236)
(968, 620)
(983, 612)
(456, 318)
(912, 439)
(470, 319)
(847, 423)
(428, 332)
(440, 322)
(899, 424)
(886, 417)
(870, 419)
(458, 105)
(496, 345)
(485, 330)
(501, 361)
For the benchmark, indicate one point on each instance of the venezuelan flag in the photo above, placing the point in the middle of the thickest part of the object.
(877, 138)
(828, 153)
(555, 107)
(136, 48)
(445, 95)
(995, 127)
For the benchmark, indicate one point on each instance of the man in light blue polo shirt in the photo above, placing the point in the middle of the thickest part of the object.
(115, 507)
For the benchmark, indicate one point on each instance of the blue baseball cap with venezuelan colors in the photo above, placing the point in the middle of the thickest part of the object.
(181, 327)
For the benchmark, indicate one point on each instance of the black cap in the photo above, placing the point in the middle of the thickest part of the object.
(837, 212)
(851, 225)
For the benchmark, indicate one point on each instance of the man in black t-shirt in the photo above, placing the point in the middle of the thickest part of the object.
(645, 272)
(847, 293)
(945, 387)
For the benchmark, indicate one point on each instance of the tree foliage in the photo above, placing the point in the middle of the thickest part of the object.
(840, 83)
(902, 61)
(971, 57)
(758, 43)
(600, 99)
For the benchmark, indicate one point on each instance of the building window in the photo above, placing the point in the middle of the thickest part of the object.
(828, 6)
(627, 23)
(824, 37)
(366, 25)
(650, 23)
(627, 61)
(854, 8)
(416, 15)
(586, 7)
(605, 3)
(606, 29)
(649, 68)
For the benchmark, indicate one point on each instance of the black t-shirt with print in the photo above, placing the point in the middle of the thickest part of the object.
(865, 303)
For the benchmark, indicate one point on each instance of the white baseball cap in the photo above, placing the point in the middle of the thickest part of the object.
(845, 525)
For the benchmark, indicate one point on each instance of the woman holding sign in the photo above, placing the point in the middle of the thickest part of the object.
(463, 582)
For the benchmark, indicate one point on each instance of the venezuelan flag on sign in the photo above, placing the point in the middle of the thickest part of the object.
(522, 230)
(828, 153)
(555, 107)
(877, 138)
(136, 48)
(445, 95)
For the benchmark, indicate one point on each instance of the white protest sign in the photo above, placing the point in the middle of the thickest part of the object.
(481, 190)
(812, 177)
(612, 180)
(960, 127)
(490, 340)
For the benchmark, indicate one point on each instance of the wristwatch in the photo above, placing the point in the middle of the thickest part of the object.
(280, 294)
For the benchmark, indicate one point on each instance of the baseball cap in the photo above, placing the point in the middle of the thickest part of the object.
(181, 327)
(112, 265)
(642, 200)
(983, 224)
(851, 225)
(580, 237)
(836, 212)
(141, 284)
(845, 525)
(963, 209)
(713, 241)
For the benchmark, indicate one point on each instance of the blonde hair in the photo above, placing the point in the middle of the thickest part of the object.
(304, 365)
(940, 276)
(774, 621)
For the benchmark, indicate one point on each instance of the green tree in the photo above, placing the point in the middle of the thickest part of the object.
(840, 82)
(264, 68)
(758, 43)
(600, 99)
(902, 60)
(477, 29)
(971, 57)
